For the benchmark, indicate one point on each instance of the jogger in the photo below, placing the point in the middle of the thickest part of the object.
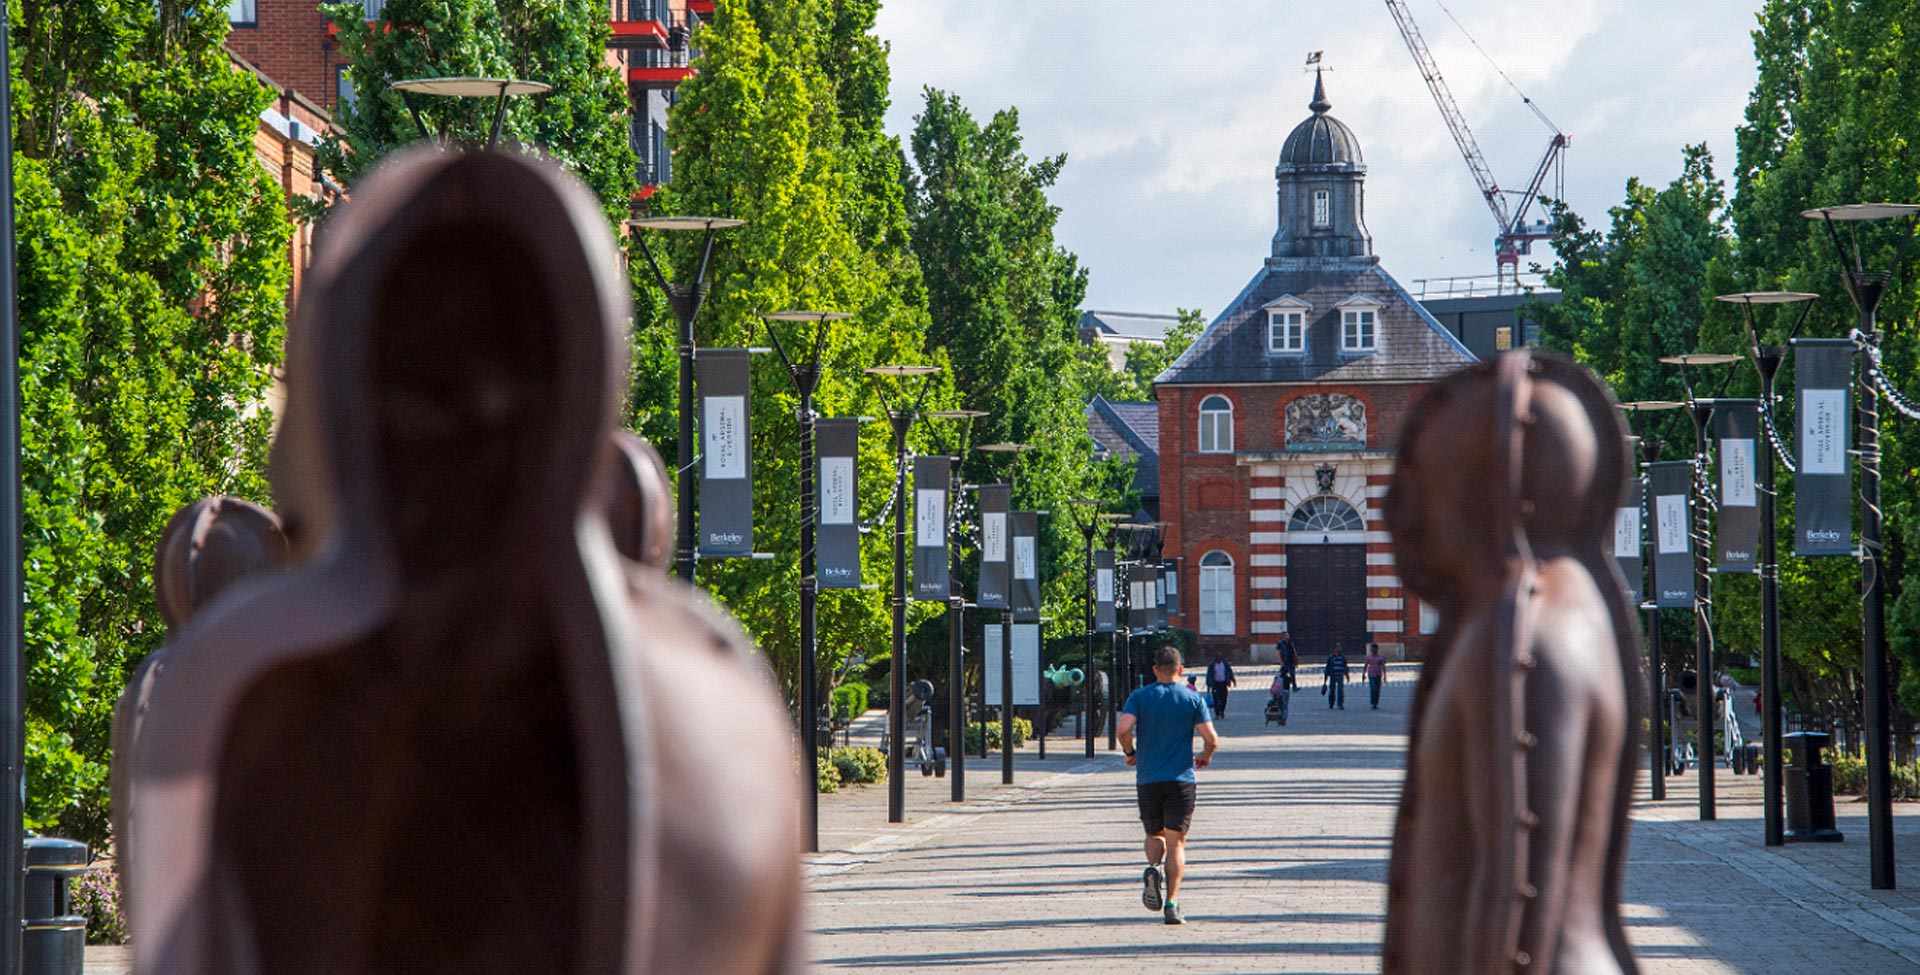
(1166, 716)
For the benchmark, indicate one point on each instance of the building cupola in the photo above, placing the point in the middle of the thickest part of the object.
(1321, 181)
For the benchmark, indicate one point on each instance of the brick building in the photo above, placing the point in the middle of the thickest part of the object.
(1277, 426)
(292, 42)
(283, 144)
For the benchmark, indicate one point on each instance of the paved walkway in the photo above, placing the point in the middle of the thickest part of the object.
(1289, 865)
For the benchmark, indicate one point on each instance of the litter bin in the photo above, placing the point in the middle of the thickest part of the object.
(1809, 790)
(55, 940)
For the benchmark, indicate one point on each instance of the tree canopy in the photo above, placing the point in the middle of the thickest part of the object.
(153, 273)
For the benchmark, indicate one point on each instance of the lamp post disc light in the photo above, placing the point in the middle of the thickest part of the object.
(789, 315)
(957, 414)
(1701, 359)
(468, 87)
(1863, 211)
(902, 372)
(1651, 405)
(1767, 297)
(685, 224)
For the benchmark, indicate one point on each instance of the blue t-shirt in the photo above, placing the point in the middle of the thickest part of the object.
(1165, 716)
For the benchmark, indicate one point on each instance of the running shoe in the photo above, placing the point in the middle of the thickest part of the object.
(1173, 915)
(1150, 887)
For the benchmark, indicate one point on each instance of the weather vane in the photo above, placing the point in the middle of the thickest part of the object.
(1315, 63)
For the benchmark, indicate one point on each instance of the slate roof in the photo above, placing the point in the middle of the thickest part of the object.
(1127, 324)
(1128, 430)
(1412, 346)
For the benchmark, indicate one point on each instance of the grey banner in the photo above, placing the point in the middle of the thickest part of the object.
(1023, 550)
(1823, 486)
(1671, 531)
(1626, 530)
(1157, 595)
(932, 476)
(1170, 571)
(837, 531)
(994, 564)
(1103, 583)
(726, 454)
(1736, 534)
(1137, 597)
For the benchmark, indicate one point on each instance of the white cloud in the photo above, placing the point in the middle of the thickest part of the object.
(1172, 115)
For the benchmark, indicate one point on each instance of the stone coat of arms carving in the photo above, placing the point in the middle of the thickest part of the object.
(1326, 421)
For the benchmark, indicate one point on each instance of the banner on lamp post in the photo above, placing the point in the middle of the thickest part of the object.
(995, 563)
(1137, 596)
(837, 532)
(1159, 597)
(726, 454)
(931, 478)
(1023, 547)
(1626, 530)
(1025, 651)
(1103, 591)
(1737, 529)
(1170, 572)
(1671, 484)
(1823, 486)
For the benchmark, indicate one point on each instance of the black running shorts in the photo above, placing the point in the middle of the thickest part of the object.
(1165, 805)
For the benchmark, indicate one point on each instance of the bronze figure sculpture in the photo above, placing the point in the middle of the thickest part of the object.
(1510, 842)
(456, 734)
(640, 506)
(206, 547)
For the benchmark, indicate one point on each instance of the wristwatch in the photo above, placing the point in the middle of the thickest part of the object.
(1128, 753)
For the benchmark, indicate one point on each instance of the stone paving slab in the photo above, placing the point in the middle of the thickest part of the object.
(1289, 868)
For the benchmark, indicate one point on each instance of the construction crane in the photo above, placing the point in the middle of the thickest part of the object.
(1516, 235)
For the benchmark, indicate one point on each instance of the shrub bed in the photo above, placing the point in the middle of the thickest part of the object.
(859, 764)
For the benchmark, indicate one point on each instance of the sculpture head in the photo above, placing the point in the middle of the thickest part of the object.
(209, 545)
(1523, 453)
(640, 502)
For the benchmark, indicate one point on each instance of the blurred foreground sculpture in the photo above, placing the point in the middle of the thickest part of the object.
(1512, 830)
(206, 547)
(461, 732)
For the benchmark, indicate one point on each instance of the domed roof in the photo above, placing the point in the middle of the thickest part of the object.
(1322, 141)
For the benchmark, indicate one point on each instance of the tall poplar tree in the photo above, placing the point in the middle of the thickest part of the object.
(153, 268)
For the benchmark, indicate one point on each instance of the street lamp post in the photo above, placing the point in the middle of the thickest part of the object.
(1866, 288)
(901, 415)
(1004, 448)
(1657, 750)
(805, 374)
(1702, 412)
(12, 722)
(685, 300)
(1089, 525)
(1767, 360)
(498, 89)
(956, 620)
(1114, 691)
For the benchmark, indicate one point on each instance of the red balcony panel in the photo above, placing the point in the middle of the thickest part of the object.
(638, 35)
(658, 78)
(702, 7)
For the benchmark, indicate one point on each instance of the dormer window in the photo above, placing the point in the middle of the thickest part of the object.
(1322, 209)
(1287, 326)
(1359, 325)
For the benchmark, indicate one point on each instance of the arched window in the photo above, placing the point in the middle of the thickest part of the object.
(1216, 425)
(1216, 594)
(1325, 514)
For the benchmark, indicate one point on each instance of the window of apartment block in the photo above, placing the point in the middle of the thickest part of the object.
(374, 8)
(1216, 425)
(243, 13)
(1322, 208)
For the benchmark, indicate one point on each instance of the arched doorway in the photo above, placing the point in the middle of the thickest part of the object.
(1326, 577)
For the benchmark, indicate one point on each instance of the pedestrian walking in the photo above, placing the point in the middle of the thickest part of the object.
(1163, 717)
(1336, 675)
(1289, 663)
(1219, 679)
(1376, 671)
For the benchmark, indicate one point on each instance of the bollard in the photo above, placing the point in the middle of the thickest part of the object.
(1809, 790)
(55, 939)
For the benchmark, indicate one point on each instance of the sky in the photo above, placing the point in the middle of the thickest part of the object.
(1172, 116)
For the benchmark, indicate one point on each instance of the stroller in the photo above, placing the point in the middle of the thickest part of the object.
(1277, 705)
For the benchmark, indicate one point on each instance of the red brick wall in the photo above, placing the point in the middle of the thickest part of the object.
(290, 44)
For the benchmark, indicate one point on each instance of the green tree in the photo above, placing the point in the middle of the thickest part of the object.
(781, 127)
(581, 122)
(153, 273)
(1005, 301)
(1830, 120)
